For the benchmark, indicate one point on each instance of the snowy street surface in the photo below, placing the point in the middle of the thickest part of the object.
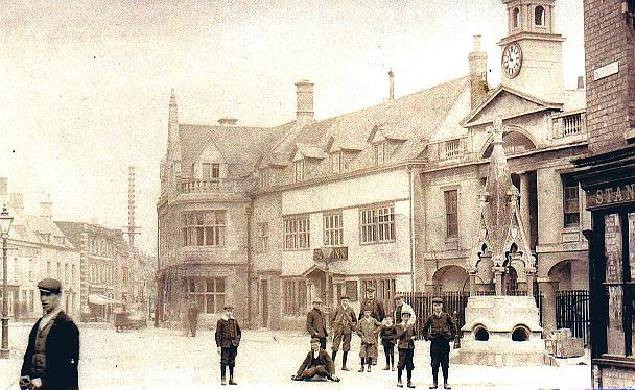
(165, 359)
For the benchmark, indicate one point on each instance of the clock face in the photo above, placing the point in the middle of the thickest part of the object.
(512, 60)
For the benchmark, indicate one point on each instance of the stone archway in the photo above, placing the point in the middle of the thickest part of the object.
(450, 278)
(561, 272)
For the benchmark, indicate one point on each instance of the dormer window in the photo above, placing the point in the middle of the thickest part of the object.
(299, 170)
(381, 152)
(264, 177)
(516, 17)
(211, 171)
(540, 15)
(335, 162)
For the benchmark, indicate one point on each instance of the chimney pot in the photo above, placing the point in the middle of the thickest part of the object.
(304, 92)
(227, 121)
(46, 208)
(477, 42)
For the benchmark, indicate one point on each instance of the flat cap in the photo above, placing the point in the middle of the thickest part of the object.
(316, 300)
(228, 306)
(370, 288)
(345, 297)
(315, 340)
(437, 300)
(50, 285)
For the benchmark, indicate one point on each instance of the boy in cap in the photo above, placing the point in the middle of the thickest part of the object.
(344, 321)
(367, 329)
(227, 339)
(400, 307)
(317, 366)
(406, 334)
(440, 329)
(388, 335)
(52, 353)
(316, 324)
(376, 307)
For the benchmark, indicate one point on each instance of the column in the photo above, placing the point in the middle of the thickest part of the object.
(530, 273)
(524, 206)
(498, 279)
(548, 288)
(472, 275)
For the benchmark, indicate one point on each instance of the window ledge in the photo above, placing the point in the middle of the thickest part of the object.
(378, 242)
(615, 361)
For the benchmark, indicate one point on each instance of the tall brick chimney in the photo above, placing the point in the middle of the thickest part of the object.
(305, 99)
(479, 88)
(46, 208)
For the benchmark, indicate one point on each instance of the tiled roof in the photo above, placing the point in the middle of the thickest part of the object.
(36, 229)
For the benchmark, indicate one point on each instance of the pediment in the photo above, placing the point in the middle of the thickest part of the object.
(211, 153)
(507, 103)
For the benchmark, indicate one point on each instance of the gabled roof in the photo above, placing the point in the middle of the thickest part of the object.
(34, 229)
(523, 104)
(310, 151)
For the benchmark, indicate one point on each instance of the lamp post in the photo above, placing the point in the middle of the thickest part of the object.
(5, 225)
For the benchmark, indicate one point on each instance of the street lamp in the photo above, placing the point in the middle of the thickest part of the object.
(5, 225)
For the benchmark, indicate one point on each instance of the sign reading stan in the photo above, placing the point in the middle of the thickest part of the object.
(611, 195)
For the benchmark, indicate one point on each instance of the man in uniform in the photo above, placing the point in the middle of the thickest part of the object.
(52, 353)
(344, 321)
(317, 365)
(316, 323)
(376, 307)
(227, 340)
(439, 329)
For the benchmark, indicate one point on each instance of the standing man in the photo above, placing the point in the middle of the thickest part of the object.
(439, 329)
(227, 340)
(192, 318)
(402, 307)
(344, 321)
(376, 307)
(52, 354)
(316, 323)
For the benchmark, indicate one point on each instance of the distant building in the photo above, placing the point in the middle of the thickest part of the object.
(607, 174)
(37, 249)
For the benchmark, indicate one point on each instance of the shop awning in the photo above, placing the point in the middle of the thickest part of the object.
(101, 300)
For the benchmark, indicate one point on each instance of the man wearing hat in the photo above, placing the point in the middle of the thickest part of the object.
(440, 330)
(316, 324)
(227, 340)
(344, 321)
(376, 307)
(317, 366)
(52, 353)
(402, 307)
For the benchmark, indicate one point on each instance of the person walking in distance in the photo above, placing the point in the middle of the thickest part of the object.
(227, 341)
(367, 330)
(376, 307)
(406, 334)
(192, 318)
(344, 321)
(388, 335)
(316, 323)
(52, 354)
(440, 330)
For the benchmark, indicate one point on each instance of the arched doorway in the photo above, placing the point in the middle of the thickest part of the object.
(510, 281)
(451, 278)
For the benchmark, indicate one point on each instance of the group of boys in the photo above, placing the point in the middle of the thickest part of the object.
(398, 330)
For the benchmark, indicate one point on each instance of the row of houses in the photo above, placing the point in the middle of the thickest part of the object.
(271, 217)
(99, 271)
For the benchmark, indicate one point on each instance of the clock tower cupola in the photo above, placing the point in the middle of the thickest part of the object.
(531, 54)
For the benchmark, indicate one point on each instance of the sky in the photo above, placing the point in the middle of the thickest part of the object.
(85, 85)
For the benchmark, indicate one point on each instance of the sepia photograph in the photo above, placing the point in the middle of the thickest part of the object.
(336, 194)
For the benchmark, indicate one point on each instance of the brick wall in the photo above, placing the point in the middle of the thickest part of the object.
(609, 37)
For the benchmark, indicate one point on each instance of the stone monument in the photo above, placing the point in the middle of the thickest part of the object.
(500, 330)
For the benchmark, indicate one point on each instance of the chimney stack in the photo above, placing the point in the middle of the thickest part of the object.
(580, 82)
(16, 203)
(305, 99)
(227, 121)
(391, 77)
(46, 208)
(479, 88)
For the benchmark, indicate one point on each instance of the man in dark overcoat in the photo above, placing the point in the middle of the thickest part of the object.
(344, 321)
(52, 354)
(317, 365)
(316, 323)
(227, 340)
(192, 318)
(440, 330)
(376, 307)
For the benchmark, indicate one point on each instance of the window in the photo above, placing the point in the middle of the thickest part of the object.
(296, 233)
(73, 275)
(571, 205)
(210, 171)
(571, 124)
(206, 228)
(540, 15)
(451, 222)
(264, 178)
(299, 170)
(335, 162)
(124, 276)
(16, 270)
(67, 275)
(262, 236)
(207, 292)
(30, 270)
(380, 153)
(333, 229)
(294, 297)
(453, 149)
(377, 224)
(516, 17)
(384, 290)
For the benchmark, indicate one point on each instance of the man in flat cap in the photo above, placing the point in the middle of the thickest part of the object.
(227, 340)
(344, 321)
(439, 329)
(317, 366)
(316, 323)
(52, 354)
(376, 307)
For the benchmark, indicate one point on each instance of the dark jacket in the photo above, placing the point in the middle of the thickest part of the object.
(315, 324)
(441, 327)
(344, 320)
(404, 335)
(192, 313)
(62, 354)
(322, 360)
(227, 332)
(376, 308)
(388, 334)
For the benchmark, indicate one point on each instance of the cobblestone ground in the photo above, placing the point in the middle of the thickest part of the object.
(165, 359)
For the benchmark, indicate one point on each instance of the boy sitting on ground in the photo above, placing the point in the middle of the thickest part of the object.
(317, 365)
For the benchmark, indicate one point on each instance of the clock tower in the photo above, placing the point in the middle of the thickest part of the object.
(531, 54)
